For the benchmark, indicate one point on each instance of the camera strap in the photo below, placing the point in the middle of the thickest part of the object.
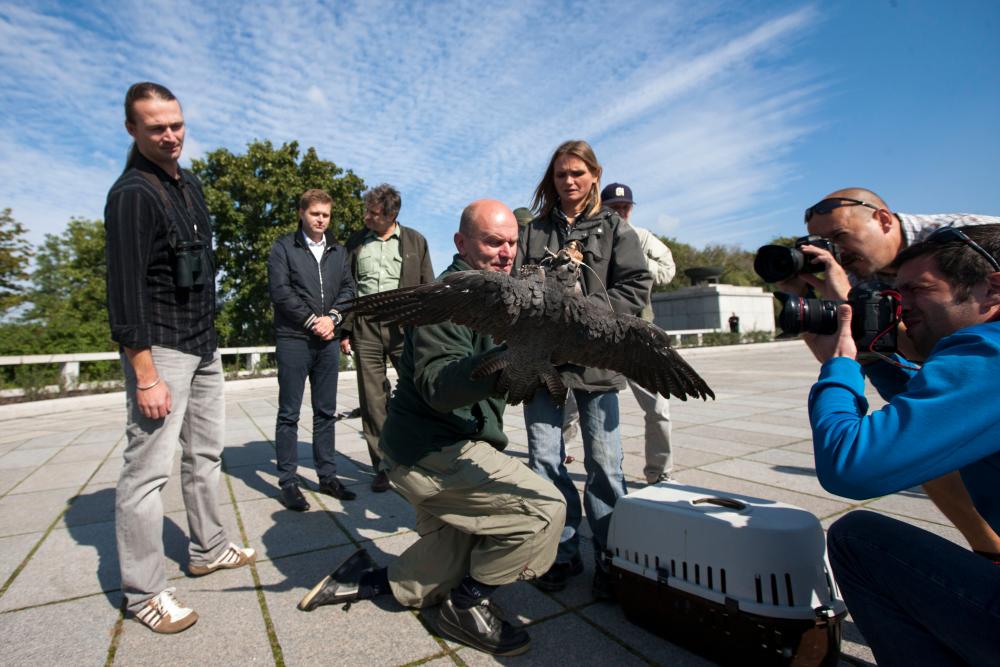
(168, 207)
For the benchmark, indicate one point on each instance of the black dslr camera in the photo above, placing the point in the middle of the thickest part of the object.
(874, 316)
(190, 265)
(776, 262)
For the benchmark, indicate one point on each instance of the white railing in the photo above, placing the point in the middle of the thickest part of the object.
(69, 364)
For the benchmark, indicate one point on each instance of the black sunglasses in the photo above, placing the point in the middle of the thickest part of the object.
(946, 234)
(827, 205)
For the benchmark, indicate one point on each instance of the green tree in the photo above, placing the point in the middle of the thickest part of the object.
(69, 305)
(15, 254)
(253, 199)
(736, 263)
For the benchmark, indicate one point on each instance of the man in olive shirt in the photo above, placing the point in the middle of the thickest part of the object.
(484, 518)
(384, 255)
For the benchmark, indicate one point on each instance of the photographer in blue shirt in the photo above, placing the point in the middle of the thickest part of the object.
(918, 598)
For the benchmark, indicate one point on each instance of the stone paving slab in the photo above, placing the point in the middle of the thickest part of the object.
(11, 477)
(648, 645)
(13, 550)
(53, 475)
(61, 460)
(368, 633)
(27, 458)
(70, 563)
(230, 629)
(76, 632)
(30, 512)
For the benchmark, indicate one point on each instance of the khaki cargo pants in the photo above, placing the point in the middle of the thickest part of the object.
(479, 512)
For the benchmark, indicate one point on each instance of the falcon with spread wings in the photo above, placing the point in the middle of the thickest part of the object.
(543, 322)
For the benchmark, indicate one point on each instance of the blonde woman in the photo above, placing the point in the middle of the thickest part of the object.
(567, 206)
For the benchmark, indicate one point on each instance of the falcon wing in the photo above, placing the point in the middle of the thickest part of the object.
(487, 302)
(630, 345)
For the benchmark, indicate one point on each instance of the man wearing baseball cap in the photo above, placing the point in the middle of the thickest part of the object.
(659, 459)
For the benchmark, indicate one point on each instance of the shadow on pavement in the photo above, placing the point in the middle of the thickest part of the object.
(90, 521)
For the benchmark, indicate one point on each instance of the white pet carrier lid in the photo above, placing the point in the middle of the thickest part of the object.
(768, 557)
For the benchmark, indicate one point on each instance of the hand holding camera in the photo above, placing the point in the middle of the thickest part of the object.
(874, 312)
(841, 344)
(794, 269)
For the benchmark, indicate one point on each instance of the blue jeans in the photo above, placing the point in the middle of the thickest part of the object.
(602, 460)
(917, 598)
(318, 360)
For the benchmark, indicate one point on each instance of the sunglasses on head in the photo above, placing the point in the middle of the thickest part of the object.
(827, 205)
(946, 234)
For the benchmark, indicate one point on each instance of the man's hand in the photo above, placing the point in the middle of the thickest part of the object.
(840, 344)
(323, 327)
(836, 285)
(345, 346)
(155, 402)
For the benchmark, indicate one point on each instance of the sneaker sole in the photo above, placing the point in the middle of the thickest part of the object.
(184, 624)
(449, 631)
(305, 603)
(202, 570)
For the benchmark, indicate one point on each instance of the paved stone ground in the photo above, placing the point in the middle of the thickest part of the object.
(59, 596)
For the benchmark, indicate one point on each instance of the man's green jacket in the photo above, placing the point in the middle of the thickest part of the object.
(436, 404)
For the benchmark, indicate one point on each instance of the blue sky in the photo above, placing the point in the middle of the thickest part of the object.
(726, 118)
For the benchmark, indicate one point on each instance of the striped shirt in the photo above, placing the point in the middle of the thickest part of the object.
(918, 227)
(145, 306)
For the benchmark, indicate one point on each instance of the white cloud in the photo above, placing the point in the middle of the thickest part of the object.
(693, 104)
(316, 97)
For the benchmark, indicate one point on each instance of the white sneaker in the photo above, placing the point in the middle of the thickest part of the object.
(166, 615)
(231, 557)
(663, 477)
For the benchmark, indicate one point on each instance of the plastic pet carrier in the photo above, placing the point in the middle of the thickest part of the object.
(738, 579)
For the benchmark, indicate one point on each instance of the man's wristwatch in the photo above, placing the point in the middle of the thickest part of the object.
(336, 317)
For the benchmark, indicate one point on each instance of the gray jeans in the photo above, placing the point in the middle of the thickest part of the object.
(196, 422)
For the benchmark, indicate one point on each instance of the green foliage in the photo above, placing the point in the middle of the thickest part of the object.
(15, 253)
(716, 338)
(253, 199)
(69, 305)
(736, 263)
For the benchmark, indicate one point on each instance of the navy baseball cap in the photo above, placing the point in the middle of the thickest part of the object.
(616, 193)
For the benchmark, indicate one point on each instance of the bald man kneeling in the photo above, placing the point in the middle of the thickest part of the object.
(484, 518)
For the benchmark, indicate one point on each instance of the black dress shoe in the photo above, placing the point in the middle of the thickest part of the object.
(558, 575)
(334, 487)
(381, 482)
(482, 627)
(603, 586)
(342, 585)
(292, 498)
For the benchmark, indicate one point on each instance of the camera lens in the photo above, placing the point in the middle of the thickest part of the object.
(800, 315)
(776, 262)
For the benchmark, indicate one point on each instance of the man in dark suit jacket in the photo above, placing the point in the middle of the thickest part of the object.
(384, 255)
(311, 286)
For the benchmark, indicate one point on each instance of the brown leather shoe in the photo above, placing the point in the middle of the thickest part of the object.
(381, 482)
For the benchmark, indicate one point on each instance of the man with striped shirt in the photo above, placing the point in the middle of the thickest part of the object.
(161, 307)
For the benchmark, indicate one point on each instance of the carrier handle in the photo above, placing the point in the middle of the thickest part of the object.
(731, 503)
